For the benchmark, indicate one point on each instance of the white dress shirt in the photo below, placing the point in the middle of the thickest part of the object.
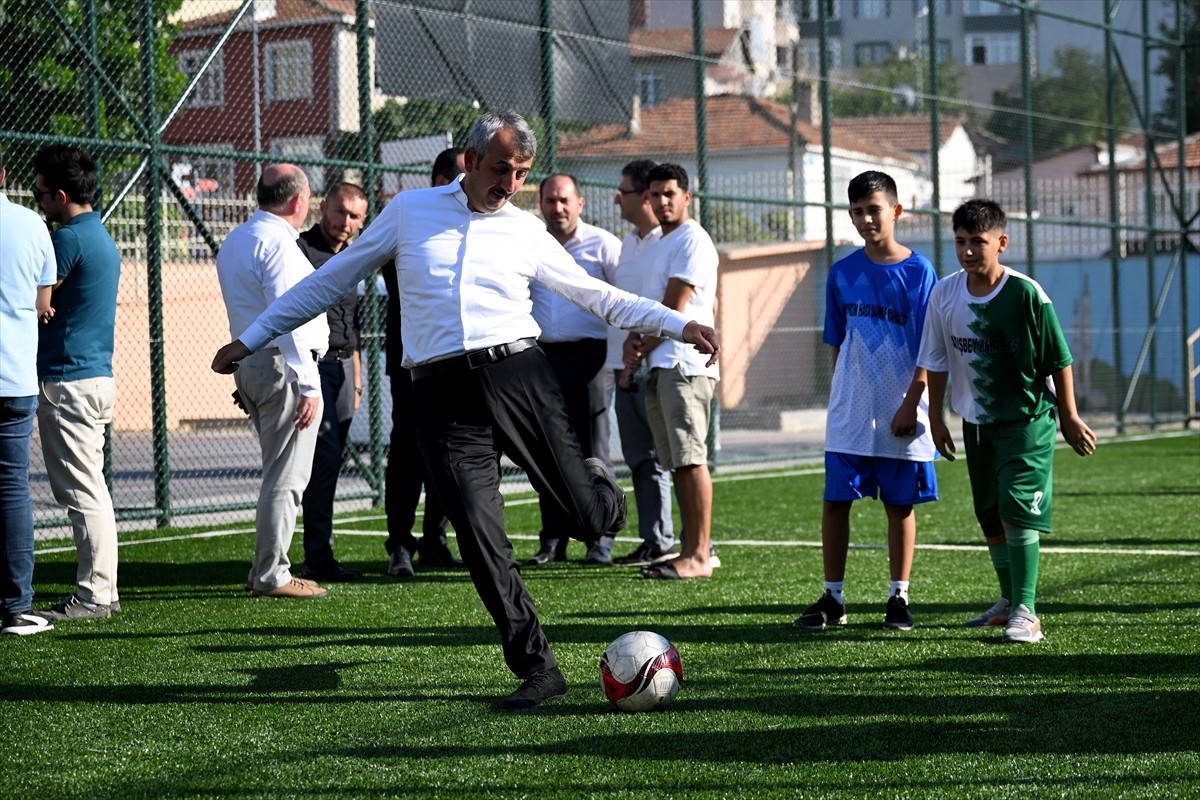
(463, 278)
(258, 262)
(686, 253)
(597, 251)
(637, 259)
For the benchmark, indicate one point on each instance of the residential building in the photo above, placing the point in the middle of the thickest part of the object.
(285, 83)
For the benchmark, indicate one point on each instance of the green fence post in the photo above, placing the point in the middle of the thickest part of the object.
(1114, 212)
(935, 122)
(366, 123)
(549, 108)
(1027, 94)
(162, 471)
(701, 186)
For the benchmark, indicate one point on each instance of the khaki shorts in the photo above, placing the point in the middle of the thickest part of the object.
(678, 407)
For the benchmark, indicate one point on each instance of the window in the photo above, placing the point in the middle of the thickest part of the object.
(288, 67)
(866, 53)
(809, 11)
(870, 9)
(303, 147)
(993, 48)
(810, 56)
(942, 51)
(650, 87)
(985, 8)
(210, 90)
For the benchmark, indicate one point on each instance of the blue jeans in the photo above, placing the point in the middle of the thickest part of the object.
(16, 506)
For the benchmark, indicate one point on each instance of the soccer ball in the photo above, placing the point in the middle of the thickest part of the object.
(640, 671)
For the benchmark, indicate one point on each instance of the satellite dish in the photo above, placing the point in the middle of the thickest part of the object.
(905, 97)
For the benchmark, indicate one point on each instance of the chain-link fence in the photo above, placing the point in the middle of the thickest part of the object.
(1078, 116)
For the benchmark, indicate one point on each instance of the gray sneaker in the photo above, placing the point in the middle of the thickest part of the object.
(75, 607)
(400, 563)
(994, 616)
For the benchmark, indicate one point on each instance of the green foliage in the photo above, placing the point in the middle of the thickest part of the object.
(1068, 104)
(43, 73)
(1168, 119)
(384, 689)
(882, 81)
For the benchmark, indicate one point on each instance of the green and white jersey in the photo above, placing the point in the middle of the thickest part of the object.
(1000, 350)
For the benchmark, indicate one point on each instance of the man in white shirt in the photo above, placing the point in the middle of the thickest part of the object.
(575, 342)
(279, 385)
(465, 258)
(28, 273)
(680, 388)
(651, 483)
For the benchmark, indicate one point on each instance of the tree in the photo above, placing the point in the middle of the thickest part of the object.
(44, 71)
(1168, 118)
(897, 86)
(1068, 105)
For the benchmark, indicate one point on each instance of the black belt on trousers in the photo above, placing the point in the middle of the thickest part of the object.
(337, 355)
(472, 360)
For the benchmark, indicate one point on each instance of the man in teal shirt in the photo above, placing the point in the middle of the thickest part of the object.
(75, 374)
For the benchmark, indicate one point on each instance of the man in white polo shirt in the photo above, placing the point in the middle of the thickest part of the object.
(575, 341)
(465, 258)
(279, 386)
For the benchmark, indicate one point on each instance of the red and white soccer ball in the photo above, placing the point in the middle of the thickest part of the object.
(640, 671)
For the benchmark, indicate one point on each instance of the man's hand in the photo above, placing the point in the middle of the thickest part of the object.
(227, 358)
(942, 439)
(307, 411)
(704, 339)
(631, 351)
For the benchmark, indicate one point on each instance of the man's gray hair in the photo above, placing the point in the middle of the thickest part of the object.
(492, 123)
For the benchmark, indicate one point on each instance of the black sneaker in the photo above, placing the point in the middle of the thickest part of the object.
(822, 614)
(540, 687)
(598, 469)
(24, 623)
(645, 556)
(400, 563)
(897, 617)
(436, 553)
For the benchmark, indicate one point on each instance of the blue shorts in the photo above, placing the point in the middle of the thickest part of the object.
(896, 481)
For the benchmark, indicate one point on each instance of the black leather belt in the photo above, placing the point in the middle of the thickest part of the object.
(337, 355)
(472, 360)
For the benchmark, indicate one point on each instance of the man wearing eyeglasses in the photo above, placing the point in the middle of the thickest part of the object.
(77, 390)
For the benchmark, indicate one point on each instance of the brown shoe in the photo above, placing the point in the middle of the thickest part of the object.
(295, 588)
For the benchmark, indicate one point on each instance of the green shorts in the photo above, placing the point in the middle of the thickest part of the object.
(1011, 466)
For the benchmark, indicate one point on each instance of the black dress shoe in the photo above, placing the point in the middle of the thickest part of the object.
(540, 687)
(334, 573)
(548, 553)
(437, 555)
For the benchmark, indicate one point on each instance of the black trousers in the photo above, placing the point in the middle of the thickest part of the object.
(407, 474)
(575, 364)
(466, 420)
(337, 394)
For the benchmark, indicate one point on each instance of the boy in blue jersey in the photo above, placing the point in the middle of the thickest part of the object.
(877, 441)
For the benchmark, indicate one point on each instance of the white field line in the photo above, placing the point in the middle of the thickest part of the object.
(746, 476)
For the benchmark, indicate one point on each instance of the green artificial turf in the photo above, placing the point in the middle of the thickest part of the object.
(385, 688)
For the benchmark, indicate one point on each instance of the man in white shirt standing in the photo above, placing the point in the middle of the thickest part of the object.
(279, 386)
(575, 342)
(680, 387)
(465, 258)
(651, 483)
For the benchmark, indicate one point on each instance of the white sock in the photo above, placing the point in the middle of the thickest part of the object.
(835, 588)
(899, 588)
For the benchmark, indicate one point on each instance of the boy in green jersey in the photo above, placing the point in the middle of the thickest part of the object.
(994, 332)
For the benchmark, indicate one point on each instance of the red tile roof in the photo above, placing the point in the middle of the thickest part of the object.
(735, 123)
(1168, 155)
(678, 41)
(907, 133)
